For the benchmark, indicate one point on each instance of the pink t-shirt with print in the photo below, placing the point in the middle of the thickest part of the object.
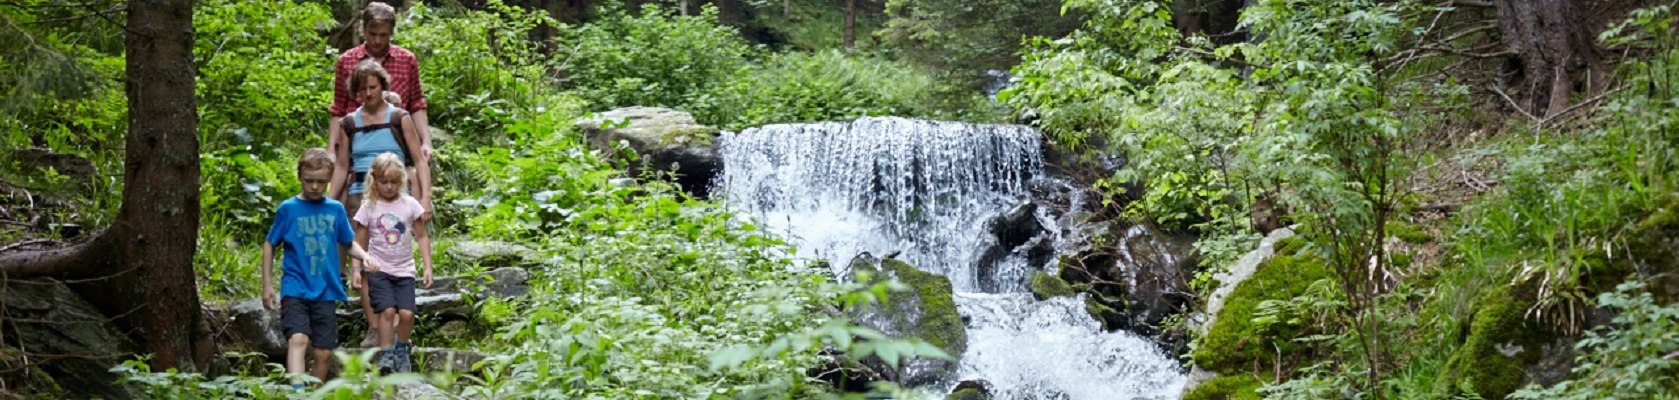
(390, 231)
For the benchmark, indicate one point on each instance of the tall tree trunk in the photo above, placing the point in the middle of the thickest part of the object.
(1551, 41)
(159, 212)
(786, 9)
(143, 262)
(850, 23)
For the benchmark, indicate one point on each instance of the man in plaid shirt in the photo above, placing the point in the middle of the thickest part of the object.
(378, 23)
(377, 26)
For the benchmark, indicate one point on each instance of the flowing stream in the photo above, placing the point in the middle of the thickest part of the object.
(925, 190)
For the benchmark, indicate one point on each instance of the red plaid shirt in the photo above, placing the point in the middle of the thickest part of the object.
(405, 79)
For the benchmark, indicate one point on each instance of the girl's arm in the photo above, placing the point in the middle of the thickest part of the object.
(422, 169)
(422, 236)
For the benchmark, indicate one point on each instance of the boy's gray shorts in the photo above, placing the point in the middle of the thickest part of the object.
(314, 319)
(385, 291)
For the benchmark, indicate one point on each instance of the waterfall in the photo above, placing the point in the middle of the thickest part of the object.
(926, 189)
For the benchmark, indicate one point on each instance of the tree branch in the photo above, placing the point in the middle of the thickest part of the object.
(74, 262)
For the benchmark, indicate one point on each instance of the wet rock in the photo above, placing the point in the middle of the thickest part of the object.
(46, 319)
(1140, 276)
(489, 254)
(926, 311)
(665, 140)
(1017, 231)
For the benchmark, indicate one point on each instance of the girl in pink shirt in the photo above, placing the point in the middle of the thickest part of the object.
(388, 225)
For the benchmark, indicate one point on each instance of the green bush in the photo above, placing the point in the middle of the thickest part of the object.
(264, 71)
(478, 67)
(656, 58)
(810, 87)
(1625, 359)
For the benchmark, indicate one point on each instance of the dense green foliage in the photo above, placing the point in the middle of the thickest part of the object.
(1322, 114)
(626, 300)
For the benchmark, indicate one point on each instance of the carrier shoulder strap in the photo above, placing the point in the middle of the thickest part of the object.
(348, 125)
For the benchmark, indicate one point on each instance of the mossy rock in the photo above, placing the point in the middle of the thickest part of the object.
(967, 394)
(1233, 387)
(1655, 252)
(1500, 344)
(1234, 343)
(1410, 233)
(1107, 316)
(926, 311)
(1046, 286)
(25, 378)
(940, 324)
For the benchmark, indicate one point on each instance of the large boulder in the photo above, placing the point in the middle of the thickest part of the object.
(665, 140)
(926, 311)
(489, 254)
(249, 327)
(67, 338)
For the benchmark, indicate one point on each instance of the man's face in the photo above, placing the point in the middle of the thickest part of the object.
(377, 38)
(314, 182)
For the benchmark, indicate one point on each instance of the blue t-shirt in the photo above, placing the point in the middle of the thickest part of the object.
(310, 233)
(371, 144)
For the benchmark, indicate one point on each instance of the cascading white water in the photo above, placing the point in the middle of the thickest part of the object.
(927, 189)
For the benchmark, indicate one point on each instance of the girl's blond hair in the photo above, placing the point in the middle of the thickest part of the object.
(388, 165)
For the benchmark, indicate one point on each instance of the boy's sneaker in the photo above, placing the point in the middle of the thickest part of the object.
(387, 361)
(371, 341)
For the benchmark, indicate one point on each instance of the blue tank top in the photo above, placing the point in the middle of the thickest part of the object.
(370, 144)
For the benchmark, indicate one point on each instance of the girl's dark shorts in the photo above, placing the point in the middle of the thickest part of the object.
(314, 319)
(385, 291)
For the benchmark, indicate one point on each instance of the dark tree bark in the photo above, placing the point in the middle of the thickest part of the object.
(1553, 45)
(141, 266)
(158, 218)
(1218, 19)
(850, 23)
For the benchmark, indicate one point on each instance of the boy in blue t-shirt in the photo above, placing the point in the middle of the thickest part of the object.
(313, 230)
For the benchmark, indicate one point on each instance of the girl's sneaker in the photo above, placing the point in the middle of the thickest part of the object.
(404, 361)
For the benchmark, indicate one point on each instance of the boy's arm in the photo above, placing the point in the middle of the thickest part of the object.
(424, 238)
(356, 252)
(355, 269)
(267, 281)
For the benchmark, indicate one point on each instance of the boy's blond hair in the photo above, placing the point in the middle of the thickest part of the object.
(314, 159)
(387, 165)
